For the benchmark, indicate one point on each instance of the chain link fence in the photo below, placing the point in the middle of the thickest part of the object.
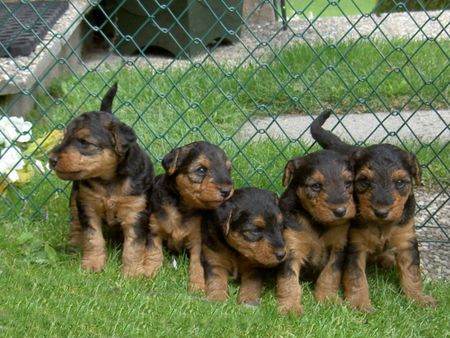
(247, 75)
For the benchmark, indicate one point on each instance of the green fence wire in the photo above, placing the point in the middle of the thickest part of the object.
(246, 75)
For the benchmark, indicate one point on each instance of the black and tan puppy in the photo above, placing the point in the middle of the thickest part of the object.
(317, 206)
(243, 237)
(384, 176)
(197, 178)
(112, 178)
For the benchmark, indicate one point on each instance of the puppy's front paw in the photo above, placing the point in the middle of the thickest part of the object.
(296, 309)
(328, 298)
(425, 301)
(251, 303)
(217, 295)
(96, 264)
(197, 286)
(133, 270)
(151, 268)
(363, 306)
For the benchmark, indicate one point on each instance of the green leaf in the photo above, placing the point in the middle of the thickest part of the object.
(24, 238)
(51, 253)
(25, 174)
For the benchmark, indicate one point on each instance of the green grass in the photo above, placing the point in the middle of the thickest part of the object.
(45, 293)
(315, 8)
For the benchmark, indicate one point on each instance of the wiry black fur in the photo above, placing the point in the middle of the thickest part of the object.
(134, 162)
(243, 205)
(376, 198)
(251, 218)
(330, 164)
(381, 158)
(165, 191)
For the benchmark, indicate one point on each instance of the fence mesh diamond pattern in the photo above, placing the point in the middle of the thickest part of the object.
(247, 75)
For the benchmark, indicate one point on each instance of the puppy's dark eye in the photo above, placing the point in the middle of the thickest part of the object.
(82, 142)
(201, 170)
(400, 184)
(316, 187)
(363, 183)
(252, 235)
(348, 184)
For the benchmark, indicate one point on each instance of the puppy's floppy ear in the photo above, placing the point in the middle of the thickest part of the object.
(414, 168)
(123, 136)
(290, 168)
(357, 155)
(224, 214)
(226, 223)
(276, 198)
(169, 161)
(172, 160)
(107, 100)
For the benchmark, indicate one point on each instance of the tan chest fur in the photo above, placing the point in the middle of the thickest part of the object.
(336, 235)
(112, 204)
(173, 228)
(308, 245)
(305, 243)
(376, 239)
(388, 237)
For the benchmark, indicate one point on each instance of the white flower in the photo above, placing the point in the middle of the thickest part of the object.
(11, 161)
(14, 129)
(43, 168)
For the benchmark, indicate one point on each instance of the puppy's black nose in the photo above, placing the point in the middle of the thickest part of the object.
(53, 160)
(280, 254)
(340, 212)
(381, 213)
(225, 192)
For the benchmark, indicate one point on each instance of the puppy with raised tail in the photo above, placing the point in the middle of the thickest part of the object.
(112, 178)
(383, 230)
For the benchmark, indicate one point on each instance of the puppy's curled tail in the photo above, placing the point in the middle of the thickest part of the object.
(325, 138)
(107, 101)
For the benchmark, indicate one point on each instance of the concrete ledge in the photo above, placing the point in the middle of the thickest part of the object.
(370, 128)
(60, 49)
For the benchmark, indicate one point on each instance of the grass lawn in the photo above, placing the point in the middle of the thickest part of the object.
(45, 293)
(315, 8)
